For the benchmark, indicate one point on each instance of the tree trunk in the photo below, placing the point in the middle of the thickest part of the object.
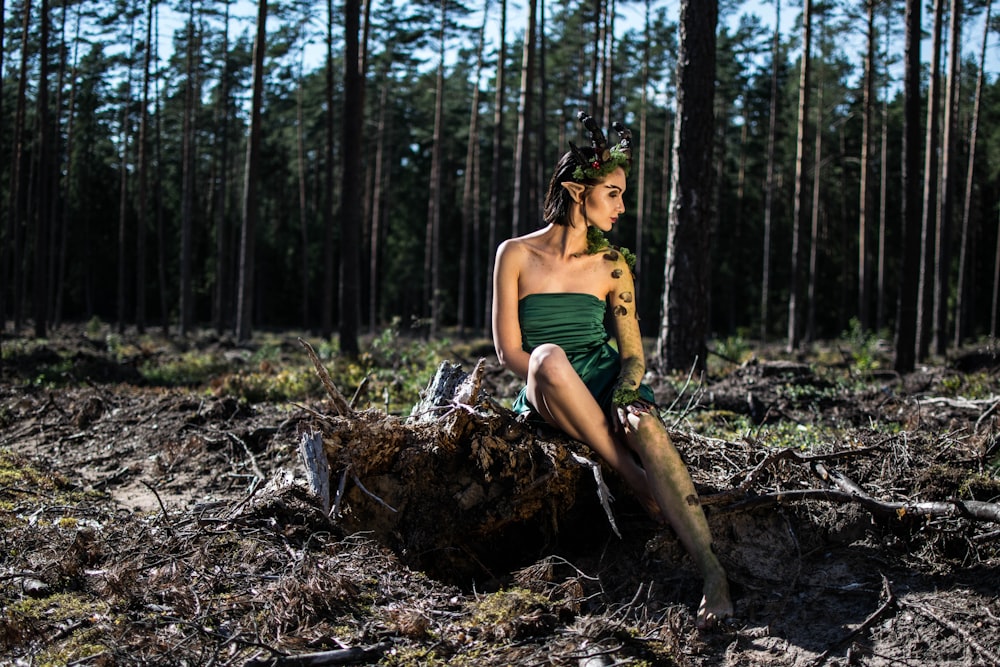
(67, 209)
(187, 179)
(161, 234)
(653, 284)
(942, 231)
(350, 219)
(223, 258)
(639, 173)
(996, 285)
(300, 158)
(960, 315)
(522, 160)
(815, 212)
(844, 224)
(541, 159)
(736, 242)
(906, 320)
(327, 293)
(926, 278)
(496, 180)
(470, 190)
(123, 144)
(18, 181)
(378, 190)
(56, 230)
(142, 169)
(607, 61)
(431, 258)
(769, 185)
(883, 184)
(45, 161)
(794, 325)
(866, 204)
(682, 340)
(5, 239)
(244, 306)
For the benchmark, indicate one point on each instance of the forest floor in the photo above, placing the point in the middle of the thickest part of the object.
(149, 523)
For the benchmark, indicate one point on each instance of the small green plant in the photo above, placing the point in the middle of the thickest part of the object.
(393, 366)
(55, 611)
(193, 368)
(722, 424)
(56, 374)
(802, 437)
(506, 606)
(734, 348)
(269, 352)
(980, 385)
(289, 384)
(94, 327)
(864, 346)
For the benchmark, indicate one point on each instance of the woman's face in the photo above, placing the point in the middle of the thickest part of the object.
(604, 203)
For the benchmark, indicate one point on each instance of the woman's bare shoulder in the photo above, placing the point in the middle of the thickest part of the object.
(518, 247)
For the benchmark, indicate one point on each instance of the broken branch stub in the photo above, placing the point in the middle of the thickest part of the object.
(339, 402)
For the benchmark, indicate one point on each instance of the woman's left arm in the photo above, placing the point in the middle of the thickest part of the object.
(626, 322)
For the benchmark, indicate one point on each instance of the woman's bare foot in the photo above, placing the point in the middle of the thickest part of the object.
(716, 606)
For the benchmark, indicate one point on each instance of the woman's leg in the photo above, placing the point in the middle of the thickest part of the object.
(671, 485)
(563, 400)
(662, 483)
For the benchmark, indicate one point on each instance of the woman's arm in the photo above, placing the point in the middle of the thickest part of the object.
(626, 321)
(506, 323)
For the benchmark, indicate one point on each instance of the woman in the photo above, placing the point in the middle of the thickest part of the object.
(551, 290)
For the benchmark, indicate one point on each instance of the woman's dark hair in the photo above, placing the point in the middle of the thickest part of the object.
(555, 209)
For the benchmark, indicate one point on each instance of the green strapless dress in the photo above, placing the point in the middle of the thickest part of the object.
(574, 322)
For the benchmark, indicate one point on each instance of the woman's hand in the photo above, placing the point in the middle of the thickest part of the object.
(626, 402)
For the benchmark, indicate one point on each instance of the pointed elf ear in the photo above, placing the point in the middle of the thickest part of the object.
(575, 190)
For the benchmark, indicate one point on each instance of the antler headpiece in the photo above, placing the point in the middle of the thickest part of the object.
(606, 159)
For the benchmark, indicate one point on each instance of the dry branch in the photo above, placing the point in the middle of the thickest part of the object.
(344, 656)
(960, 403)
(888, 604)
(339, 402)
(845, 490)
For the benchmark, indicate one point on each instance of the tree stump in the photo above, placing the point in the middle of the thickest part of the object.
(460, 488)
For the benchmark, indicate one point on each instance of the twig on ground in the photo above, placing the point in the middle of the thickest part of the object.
(166, 517)
(246, 449)
(888, 604)
(342, 656)
(970, 509)
(982, 417)
(314, 413)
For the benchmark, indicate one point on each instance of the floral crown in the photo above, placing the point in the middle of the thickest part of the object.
(606, 159)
